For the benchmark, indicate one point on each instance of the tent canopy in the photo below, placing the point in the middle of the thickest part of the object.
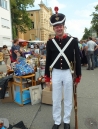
(36, 41)
(21, 40)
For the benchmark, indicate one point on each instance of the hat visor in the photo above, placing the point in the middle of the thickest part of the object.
(59, 24)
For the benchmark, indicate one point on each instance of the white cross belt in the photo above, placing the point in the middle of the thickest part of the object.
(62, 53)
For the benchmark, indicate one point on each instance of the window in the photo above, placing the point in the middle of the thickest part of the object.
(3, 4)
(0, 2)
(31, 14)
(32, 25)
(5, 23)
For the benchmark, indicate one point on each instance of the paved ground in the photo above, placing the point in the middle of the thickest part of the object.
(39, 116)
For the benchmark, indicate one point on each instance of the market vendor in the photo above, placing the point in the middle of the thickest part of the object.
(6, 55)
(16, 51)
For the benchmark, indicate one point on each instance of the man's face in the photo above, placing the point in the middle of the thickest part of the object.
(59, 29)
(17, 42)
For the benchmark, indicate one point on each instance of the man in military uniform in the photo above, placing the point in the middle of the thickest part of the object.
(60, 54)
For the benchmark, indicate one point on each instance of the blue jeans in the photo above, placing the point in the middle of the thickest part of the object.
(90, 56)
(96, 60)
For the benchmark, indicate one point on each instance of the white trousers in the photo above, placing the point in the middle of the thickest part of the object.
(59, 77)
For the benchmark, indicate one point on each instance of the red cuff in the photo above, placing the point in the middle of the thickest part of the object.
(47, 79)
(77, 80)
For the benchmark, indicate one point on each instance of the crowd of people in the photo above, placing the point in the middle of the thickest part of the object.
(17, 50)
(89, 53)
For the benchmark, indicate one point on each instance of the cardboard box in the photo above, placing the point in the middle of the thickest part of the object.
(25, 96)
(8, 94)
(47, 96)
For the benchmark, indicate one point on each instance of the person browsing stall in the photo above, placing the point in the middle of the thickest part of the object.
(15, 50)
(6, 55)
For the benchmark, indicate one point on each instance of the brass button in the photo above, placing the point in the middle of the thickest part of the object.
(61, 59)
(61, 63)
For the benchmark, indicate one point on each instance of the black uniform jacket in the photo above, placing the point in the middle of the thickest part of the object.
(52, 53)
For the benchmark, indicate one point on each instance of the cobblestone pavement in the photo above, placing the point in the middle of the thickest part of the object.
(40, 116)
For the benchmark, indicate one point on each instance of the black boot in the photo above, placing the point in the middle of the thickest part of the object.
(66, 126)
(88, 68)
(55, 126)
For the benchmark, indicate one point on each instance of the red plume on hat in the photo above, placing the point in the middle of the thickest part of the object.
(56, 9)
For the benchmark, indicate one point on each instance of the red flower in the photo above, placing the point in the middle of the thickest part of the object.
(56, 9)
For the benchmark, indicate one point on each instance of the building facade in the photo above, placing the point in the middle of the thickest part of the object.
(41, 28)
(5, 23)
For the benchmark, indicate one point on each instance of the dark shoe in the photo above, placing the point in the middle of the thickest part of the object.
(66, 126)
(88, 68)
(92, 69)
(55, 126)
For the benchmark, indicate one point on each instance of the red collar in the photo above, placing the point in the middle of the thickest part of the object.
(64, 36)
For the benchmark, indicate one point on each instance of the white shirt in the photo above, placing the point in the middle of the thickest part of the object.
(91, 45)
(32, 46)
(36, 51)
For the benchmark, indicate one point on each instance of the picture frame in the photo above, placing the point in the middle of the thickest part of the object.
(35, 93)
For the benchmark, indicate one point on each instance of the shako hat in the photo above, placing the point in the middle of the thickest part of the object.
(57, 18)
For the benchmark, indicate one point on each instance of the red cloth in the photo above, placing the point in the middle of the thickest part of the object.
(64, 36)
(47, 79)
(77, 80)
(12, 60)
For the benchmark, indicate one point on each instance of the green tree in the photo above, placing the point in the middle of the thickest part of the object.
(94, 21)
(86, 33)
(20, 18)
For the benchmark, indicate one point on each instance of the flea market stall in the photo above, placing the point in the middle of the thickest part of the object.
(23, 81)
